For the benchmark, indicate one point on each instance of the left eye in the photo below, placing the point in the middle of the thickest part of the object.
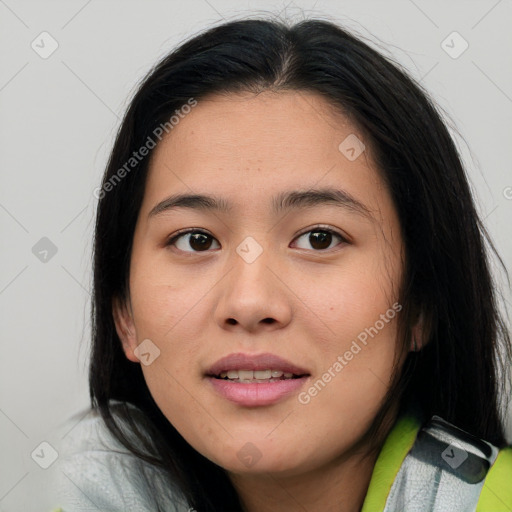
(320, 239)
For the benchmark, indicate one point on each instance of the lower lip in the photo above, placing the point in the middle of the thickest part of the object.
(259, 393)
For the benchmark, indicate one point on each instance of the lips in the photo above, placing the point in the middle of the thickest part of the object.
(254, 362)
(237, 379)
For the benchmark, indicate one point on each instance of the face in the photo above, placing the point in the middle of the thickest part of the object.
(292, 279)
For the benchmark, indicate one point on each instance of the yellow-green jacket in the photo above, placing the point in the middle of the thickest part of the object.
(436, 468)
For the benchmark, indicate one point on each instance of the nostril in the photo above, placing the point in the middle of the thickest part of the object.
(268, 320)
(231, 321)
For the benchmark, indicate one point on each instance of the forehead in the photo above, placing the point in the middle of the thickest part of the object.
(283, 125)
(252, 146)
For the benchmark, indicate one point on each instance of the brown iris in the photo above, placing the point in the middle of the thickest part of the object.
(320, 239)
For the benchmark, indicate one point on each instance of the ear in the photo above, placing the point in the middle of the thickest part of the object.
(125, 327)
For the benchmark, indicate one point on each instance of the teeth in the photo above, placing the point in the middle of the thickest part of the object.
(246, 376)
(262, 374)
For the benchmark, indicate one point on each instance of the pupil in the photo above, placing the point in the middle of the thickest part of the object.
(320, 239)
(199, 241)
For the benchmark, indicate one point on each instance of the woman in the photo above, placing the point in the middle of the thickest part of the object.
(293, 308)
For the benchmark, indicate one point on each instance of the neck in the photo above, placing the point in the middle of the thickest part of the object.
(340, 487)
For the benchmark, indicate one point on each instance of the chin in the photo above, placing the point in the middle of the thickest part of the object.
(260, 457)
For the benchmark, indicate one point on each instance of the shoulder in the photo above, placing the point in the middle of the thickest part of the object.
(450, 468)
(94, 471)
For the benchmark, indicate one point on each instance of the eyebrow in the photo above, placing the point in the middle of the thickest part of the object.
(283, 202)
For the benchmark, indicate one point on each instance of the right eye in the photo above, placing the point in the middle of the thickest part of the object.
(197, 240)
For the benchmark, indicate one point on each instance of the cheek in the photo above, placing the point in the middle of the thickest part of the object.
(165, 298)
(353, 300)
(359, 352)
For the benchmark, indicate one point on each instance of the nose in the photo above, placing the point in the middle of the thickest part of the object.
(254, 296)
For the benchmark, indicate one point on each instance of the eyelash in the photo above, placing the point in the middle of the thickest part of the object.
(321, 228)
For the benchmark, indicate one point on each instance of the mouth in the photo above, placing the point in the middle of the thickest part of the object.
(255, 380)
(257, 376)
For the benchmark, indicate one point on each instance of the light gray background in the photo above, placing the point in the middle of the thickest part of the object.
(57, 123)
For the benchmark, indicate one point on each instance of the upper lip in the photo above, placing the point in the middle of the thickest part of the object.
(267, 361)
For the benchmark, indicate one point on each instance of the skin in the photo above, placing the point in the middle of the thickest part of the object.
(197, 307)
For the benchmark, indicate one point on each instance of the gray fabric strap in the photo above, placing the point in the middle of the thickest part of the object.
(444, 471)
